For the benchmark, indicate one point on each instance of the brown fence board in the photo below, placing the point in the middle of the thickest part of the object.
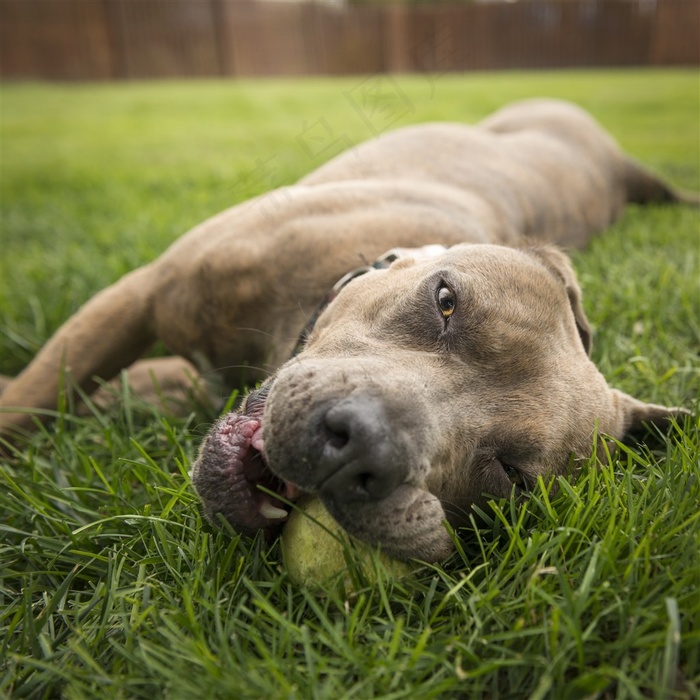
(676, 39)
(43, 39)
(118, 39)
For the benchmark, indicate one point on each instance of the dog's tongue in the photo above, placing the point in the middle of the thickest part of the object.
(231, 468)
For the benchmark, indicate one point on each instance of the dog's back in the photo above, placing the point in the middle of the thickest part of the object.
(544, 168)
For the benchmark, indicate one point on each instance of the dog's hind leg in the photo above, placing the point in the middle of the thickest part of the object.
(108, 333)
(645, 187)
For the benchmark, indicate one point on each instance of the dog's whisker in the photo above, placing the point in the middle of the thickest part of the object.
(258, 331)
(225, 368)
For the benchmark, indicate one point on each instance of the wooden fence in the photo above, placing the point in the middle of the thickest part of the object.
(123, 39)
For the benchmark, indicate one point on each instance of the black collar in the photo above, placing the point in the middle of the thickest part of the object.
(380, 263)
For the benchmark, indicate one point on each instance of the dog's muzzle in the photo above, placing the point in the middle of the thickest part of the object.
(259, 459)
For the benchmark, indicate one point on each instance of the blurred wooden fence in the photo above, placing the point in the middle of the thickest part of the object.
(118, 39)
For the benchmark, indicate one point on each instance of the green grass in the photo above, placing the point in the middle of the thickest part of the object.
(111, 585)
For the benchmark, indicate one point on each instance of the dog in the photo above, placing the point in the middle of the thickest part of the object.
(402, 387)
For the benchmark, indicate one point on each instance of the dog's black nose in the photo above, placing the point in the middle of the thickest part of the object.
(359, 459)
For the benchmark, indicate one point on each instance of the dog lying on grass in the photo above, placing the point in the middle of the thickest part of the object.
(456, 369)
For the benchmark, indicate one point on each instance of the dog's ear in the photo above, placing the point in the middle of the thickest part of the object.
(558, 263)
(636, 417)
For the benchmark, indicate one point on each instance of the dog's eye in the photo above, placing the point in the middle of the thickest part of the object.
(515, 475)
(446, 301)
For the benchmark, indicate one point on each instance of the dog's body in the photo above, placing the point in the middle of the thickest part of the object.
(506, 363)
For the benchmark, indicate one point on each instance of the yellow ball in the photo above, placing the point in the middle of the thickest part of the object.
(318, 551)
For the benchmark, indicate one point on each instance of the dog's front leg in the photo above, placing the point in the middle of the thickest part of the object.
(105, 335)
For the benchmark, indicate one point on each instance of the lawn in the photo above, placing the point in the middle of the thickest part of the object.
(112, 586)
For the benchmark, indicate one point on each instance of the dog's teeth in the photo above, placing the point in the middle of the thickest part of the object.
(257, 440)
(267, 510)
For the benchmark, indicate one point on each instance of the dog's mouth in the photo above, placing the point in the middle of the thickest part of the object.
(235, 482)
(232, 476)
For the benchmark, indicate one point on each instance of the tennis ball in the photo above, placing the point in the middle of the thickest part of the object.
(316, 549)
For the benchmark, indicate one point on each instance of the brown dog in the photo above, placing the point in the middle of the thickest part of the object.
(422, 387)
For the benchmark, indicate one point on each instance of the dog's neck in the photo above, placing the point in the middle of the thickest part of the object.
(381, 263)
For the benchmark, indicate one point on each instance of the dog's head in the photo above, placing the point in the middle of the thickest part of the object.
(423, 389)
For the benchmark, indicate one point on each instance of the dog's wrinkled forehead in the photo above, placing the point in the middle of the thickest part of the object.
(483, 279)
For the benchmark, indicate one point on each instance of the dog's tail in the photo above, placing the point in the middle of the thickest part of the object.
(645, 187)
(107, 334)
